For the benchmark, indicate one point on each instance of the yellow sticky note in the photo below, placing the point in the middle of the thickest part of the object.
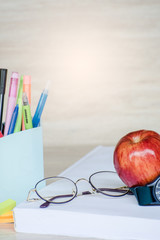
(7, 206)
(7, 217)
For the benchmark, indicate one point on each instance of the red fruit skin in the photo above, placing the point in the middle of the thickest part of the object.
(137, 158)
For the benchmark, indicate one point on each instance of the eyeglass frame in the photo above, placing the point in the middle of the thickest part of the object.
(94, 190)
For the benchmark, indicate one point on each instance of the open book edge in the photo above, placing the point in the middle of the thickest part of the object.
(91, 216)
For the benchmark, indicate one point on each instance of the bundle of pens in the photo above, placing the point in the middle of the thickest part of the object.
(18, 114)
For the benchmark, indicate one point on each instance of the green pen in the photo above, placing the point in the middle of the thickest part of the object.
(26, 112)
(18, 125)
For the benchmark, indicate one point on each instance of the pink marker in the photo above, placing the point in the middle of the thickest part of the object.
(11, 100)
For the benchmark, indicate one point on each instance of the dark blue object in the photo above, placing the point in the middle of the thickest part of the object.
(148, 194)
(13, 120)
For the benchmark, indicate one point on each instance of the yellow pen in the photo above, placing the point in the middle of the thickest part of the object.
(18, 125)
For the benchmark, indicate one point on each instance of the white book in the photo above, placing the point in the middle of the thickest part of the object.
(94, 216)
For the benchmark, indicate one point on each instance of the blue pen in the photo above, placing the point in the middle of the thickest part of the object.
(13, 120)
(39, 109)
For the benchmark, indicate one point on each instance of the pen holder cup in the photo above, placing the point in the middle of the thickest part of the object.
(21, 163)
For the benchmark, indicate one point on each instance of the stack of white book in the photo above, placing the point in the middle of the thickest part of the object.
(94, 216)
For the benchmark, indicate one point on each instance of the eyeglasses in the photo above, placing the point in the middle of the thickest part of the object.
(58, 190)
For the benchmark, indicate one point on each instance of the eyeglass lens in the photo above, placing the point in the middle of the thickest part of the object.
(57, 189)
(108, 183)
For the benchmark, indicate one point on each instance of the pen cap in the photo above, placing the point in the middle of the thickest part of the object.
(25, 99)
(3, 77)
(27, 87)
(13, 84)
(26, 79)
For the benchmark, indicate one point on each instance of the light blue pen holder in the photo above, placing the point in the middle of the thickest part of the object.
(21, 163)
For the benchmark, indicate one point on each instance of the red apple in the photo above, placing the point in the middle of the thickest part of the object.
(137, 157)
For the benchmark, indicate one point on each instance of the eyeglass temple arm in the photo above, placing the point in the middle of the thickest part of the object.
(120, 190)
(46, 204)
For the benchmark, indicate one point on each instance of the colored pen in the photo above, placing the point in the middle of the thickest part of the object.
(18, 125)
(27, 90)
(11, 100)
(26, 112)
(1, 135)
(3, 77)
(39, 109)
(13, 120)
